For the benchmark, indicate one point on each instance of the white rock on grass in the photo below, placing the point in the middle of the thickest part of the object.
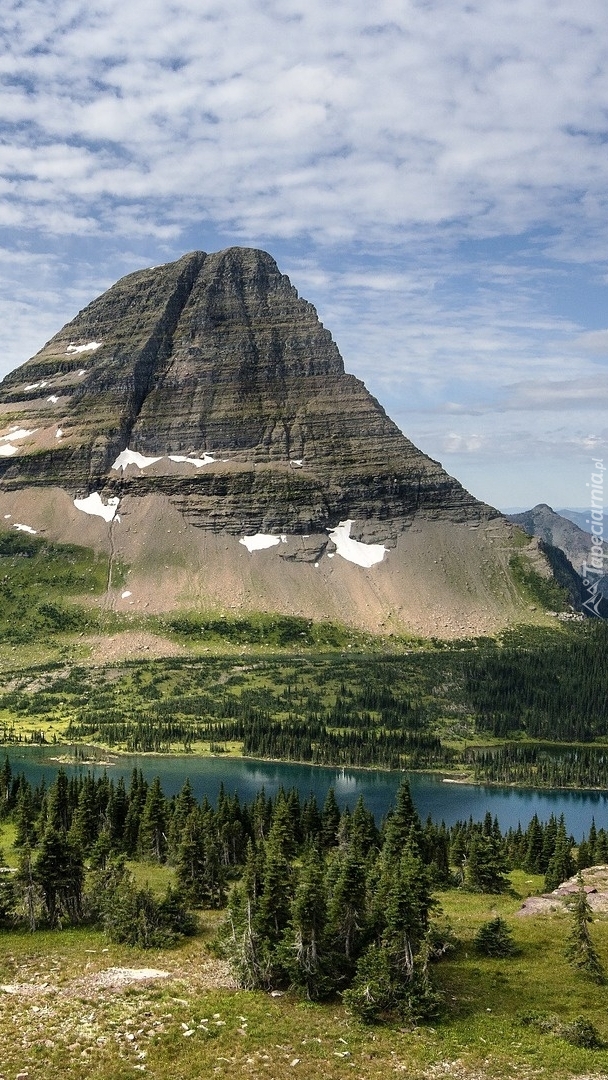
(24, 528)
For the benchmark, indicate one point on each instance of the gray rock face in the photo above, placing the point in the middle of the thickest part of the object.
(217, 354)
(542, 521)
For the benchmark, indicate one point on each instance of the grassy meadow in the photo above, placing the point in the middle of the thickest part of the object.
(61, 1014)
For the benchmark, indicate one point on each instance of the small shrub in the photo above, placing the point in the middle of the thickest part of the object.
(581, 1032)
(494, 938)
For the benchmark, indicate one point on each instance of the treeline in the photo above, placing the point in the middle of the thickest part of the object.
(540, 765)
(414, 710)
(555, 691)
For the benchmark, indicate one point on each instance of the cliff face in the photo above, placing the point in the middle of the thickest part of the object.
(197, 405)
(218, 355)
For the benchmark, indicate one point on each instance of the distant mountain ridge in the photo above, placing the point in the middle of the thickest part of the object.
(581, 518)
(553, 528)
(197, 422)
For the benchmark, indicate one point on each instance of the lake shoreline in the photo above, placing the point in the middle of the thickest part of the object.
(446, 776)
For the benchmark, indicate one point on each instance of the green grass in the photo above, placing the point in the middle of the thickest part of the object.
(81, 1031)
(535, 588)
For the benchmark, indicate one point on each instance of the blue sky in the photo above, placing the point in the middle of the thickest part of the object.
(431, 174)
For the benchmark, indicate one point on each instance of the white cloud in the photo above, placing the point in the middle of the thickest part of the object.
(374, 149)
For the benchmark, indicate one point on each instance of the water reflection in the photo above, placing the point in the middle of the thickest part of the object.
(449, 802)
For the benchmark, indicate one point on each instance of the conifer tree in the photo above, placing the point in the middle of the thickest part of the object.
(184, 805)
(116, 815)
(59, 871)
(25, 817)
(274, 905)
(153, 826)
(303, 950)
(561, 865)
(311, 821)
(403, 827)
(85, 823)
(486, 866)
(347, 920)
(534, 849)
(27, 886)
(191, 860)
(580, 950)
(58, 803)
(330, 820)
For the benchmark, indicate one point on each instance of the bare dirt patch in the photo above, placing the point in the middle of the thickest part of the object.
(129, 645)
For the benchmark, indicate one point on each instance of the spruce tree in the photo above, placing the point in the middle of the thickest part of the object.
(184, 804)
(561, 865)
(347, 919)
(303, 950)
(59, 871)
(580, 950)
(494, 938)
(330, 820)
(153, 827)
(486, 866)
(403, 827)
(191, 860)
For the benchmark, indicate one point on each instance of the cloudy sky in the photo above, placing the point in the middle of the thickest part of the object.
(432, 175)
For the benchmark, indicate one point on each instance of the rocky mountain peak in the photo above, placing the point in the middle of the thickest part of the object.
(196, 420)
(218, 355)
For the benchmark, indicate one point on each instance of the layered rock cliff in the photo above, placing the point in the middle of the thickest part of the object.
(197, 422)
(217, 354)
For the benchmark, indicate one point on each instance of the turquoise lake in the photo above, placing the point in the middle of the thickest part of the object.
(443, 801)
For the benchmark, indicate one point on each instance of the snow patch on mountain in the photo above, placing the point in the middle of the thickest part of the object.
(94, 504)
(131, 457)
(354, 550)
(261, 541)
(91, 346)
(197, 462)
(19, 433)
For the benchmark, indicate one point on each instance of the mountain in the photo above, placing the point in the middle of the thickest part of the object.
(582, 518)
(554, 529)
(542, 521)
(196, 422)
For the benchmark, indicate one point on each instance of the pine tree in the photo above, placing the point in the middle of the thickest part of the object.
(561, 865)
(330, 820)
(59, 871)
(191, 860)
(153, 826)
(580, 950)
(184, 805)
(27, 887)
(494, 938)
(403, 827)
(274, 905)
(25, 817)
(486, 866)
(347, 919)
(534, 849)
(85, 823)
(303, 950)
